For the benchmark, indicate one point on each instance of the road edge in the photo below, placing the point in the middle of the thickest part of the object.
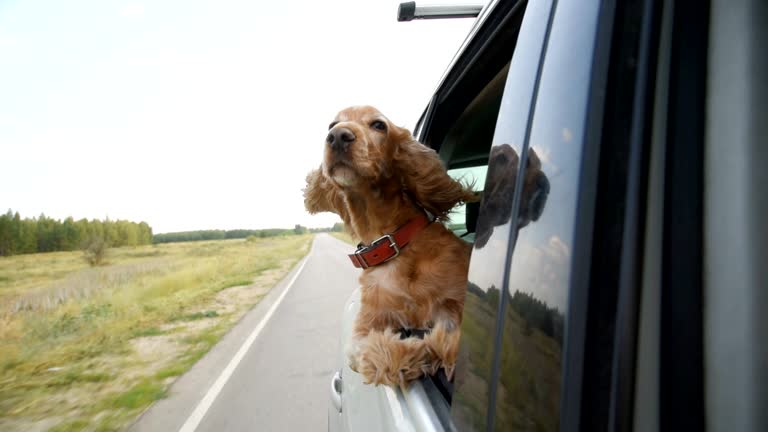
(189, 389)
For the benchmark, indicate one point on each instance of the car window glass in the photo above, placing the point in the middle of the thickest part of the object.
(530, 375)
(472, 407)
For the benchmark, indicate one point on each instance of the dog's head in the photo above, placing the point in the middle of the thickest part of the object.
(359, 147)
(366, 153)
(495, 209)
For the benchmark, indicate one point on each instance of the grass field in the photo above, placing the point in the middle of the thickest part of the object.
(86, 348)
(530, 379)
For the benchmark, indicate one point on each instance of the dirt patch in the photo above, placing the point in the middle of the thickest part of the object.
(156, 348)
(112, 364)
(194, 327)
(271, 277)
(234, 299)
(237, 300)
(29, 425)
(172, 327)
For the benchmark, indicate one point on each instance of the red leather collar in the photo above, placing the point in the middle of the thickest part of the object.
(388, 246)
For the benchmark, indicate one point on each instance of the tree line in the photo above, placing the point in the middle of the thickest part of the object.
(535, 313)
(45, 234)
(199, 235)
(538, 314)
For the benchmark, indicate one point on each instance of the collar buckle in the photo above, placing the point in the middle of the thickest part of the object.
(388, 246)
(392, 244)
(361, 250)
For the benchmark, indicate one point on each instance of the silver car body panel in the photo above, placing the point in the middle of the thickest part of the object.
(377, 408)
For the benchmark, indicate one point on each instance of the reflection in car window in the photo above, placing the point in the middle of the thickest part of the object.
(495, 206)
(475, 384)
(463, 220)
(530, 378)
(528, 393)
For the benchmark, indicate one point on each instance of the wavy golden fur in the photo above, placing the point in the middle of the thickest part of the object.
(377, 177)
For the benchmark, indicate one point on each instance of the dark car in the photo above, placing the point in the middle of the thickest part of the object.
(618, 279)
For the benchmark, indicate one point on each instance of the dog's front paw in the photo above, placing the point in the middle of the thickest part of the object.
(443, 343)
(353, 355)
(386, 359)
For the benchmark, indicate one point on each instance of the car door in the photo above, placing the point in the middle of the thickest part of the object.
(617, 127)
(545, 358)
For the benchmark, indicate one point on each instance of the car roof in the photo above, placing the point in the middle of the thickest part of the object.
(479, 21)
(463, 50)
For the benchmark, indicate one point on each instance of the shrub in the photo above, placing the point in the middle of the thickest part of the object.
(95, 251)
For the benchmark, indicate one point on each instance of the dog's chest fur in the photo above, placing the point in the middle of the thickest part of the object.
(390, 290)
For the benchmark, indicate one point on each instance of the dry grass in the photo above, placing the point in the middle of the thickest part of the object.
(89, 348)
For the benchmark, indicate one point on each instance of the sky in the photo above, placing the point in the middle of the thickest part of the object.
(196, 115)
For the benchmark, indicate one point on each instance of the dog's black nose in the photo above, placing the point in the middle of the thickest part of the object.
(340, 138)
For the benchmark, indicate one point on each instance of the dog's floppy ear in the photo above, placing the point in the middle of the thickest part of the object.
(495, 210)
(322, 196)
(425, 180)
(535, 190)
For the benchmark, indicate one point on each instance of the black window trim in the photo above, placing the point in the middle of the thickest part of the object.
(631, 267)
(681, 374)
(474, 50)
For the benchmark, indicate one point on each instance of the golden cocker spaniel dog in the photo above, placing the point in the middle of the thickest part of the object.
(385, 185)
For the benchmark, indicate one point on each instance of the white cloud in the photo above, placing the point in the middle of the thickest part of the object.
(8, 41)
(541, 269)
(132, 10)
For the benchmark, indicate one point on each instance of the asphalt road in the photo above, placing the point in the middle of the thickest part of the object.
(282, 379)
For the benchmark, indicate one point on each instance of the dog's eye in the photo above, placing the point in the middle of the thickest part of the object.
(379, 125)
(330, 126)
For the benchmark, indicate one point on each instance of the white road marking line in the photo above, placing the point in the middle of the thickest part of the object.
(197, 415)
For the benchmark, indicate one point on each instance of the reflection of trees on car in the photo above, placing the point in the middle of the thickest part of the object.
(530, 374)
(538, 315)
(528, 392)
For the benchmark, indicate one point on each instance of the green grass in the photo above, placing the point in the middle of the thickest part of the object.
(206, 339)
(71, 426)
(80, 344)
(172, 371)
(140, 395)
(72, 377)
(151, 331)
(236, 282)
(201, 343)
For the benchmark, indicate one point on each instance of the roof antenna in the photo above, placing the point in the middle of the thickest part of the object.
(408, 11)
